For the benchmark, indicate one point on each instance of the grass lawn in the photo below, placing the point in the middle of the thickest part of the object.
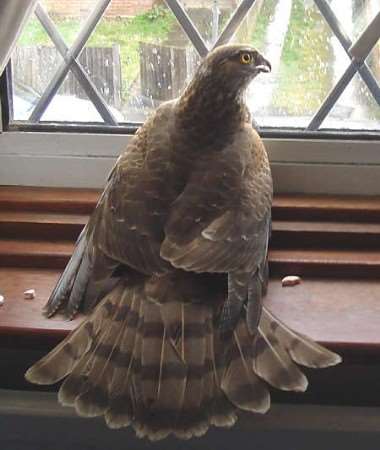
(152, 26)
(257, 33)
(305, 74)
(253, 28)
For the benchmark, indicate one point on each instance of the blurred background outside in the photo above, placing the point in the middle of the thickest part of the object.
(138, 56)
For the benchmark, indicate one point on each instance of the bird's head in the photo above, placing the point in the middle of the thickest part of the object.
(234, 66)
(216, 92)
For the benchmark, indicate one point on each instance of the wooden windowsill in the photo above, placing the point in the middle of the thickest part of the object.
(340, 313)
(332, 242)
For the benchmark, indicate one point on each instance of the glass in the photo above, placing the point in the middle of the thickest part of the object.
(306, 62)
(138, 62)
(373, 61)
(210, 16)
(138, 57)
(354, 15)
(68, 16)
(71, 104)
(34, 62)
(356, 108)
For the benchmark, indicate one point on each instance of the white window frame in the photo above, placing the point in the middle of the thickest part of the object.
(83, 160)
(300, 165)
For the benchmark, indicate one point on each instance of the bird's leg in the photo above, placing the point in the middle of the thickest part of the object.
(232, 307)
(264, 274)
(255, 302)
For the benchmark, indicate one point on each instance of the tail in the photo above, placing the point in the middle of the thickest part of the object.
(162, 368)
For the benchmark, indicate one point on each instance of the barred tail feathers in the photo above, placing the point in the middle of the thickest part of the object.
(163, 369)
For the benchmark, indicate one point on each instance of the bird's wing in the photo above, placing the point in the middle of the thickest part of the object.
(129, 223)
(88, 272)
(220, 222)
(126, 227)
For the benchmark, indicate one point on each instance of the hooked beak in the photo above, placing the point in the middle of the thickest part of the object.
(262, 65)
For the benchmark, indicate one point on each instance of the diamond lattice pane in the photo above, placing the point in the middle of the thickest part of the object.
(356, 108)
(69, 16)
(306, 62)
(34, 62)
(210, 17)
(354, 15)
(139, 60)
(253, 28)
(71, 104)
(373, 61)
(138, 56)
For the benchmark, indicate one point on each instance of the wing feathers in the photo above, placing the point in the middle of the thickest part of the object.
(65, 283)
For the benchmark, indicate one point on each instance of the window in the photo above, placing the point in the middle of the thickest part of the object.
(112, 62)
(98, 67)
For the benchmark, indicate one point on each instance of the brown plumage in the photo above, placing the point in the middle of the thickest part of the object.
(172, 267)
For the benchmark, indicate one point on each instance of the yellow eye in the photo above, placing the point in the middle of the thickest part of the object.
(246, 58)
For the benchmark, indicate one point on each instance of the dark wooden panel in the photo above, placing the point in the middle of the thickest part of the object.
(340, 313)
(35, 253)
(312, 236)
(19, 316)
(285, 207)
(61, 200)
(316, 234)
(325, 262)
(300, 261)
(285, 233)
(40, 225)
(323, 207)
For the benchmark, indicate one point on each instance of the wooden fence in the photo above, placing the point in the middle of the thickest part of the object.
(35, 66)
(165, 70)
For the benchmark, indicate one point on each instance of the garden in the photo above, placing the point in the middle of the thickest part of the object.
(305, 69)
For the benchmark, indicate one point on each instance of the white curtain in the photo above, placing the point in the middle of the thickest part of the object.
(13, 16)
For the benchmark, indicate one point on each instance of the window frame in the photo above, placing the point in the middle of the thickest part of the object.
(347, 161)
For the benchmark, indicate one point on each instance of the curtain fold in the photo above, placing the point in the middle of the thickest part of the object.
(13, 16)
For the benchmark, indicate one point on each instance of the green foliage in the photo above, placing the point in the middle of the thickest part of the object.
(305, 75)
(157, 12)
(257, 34)
(253, 28)
(152, 26)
